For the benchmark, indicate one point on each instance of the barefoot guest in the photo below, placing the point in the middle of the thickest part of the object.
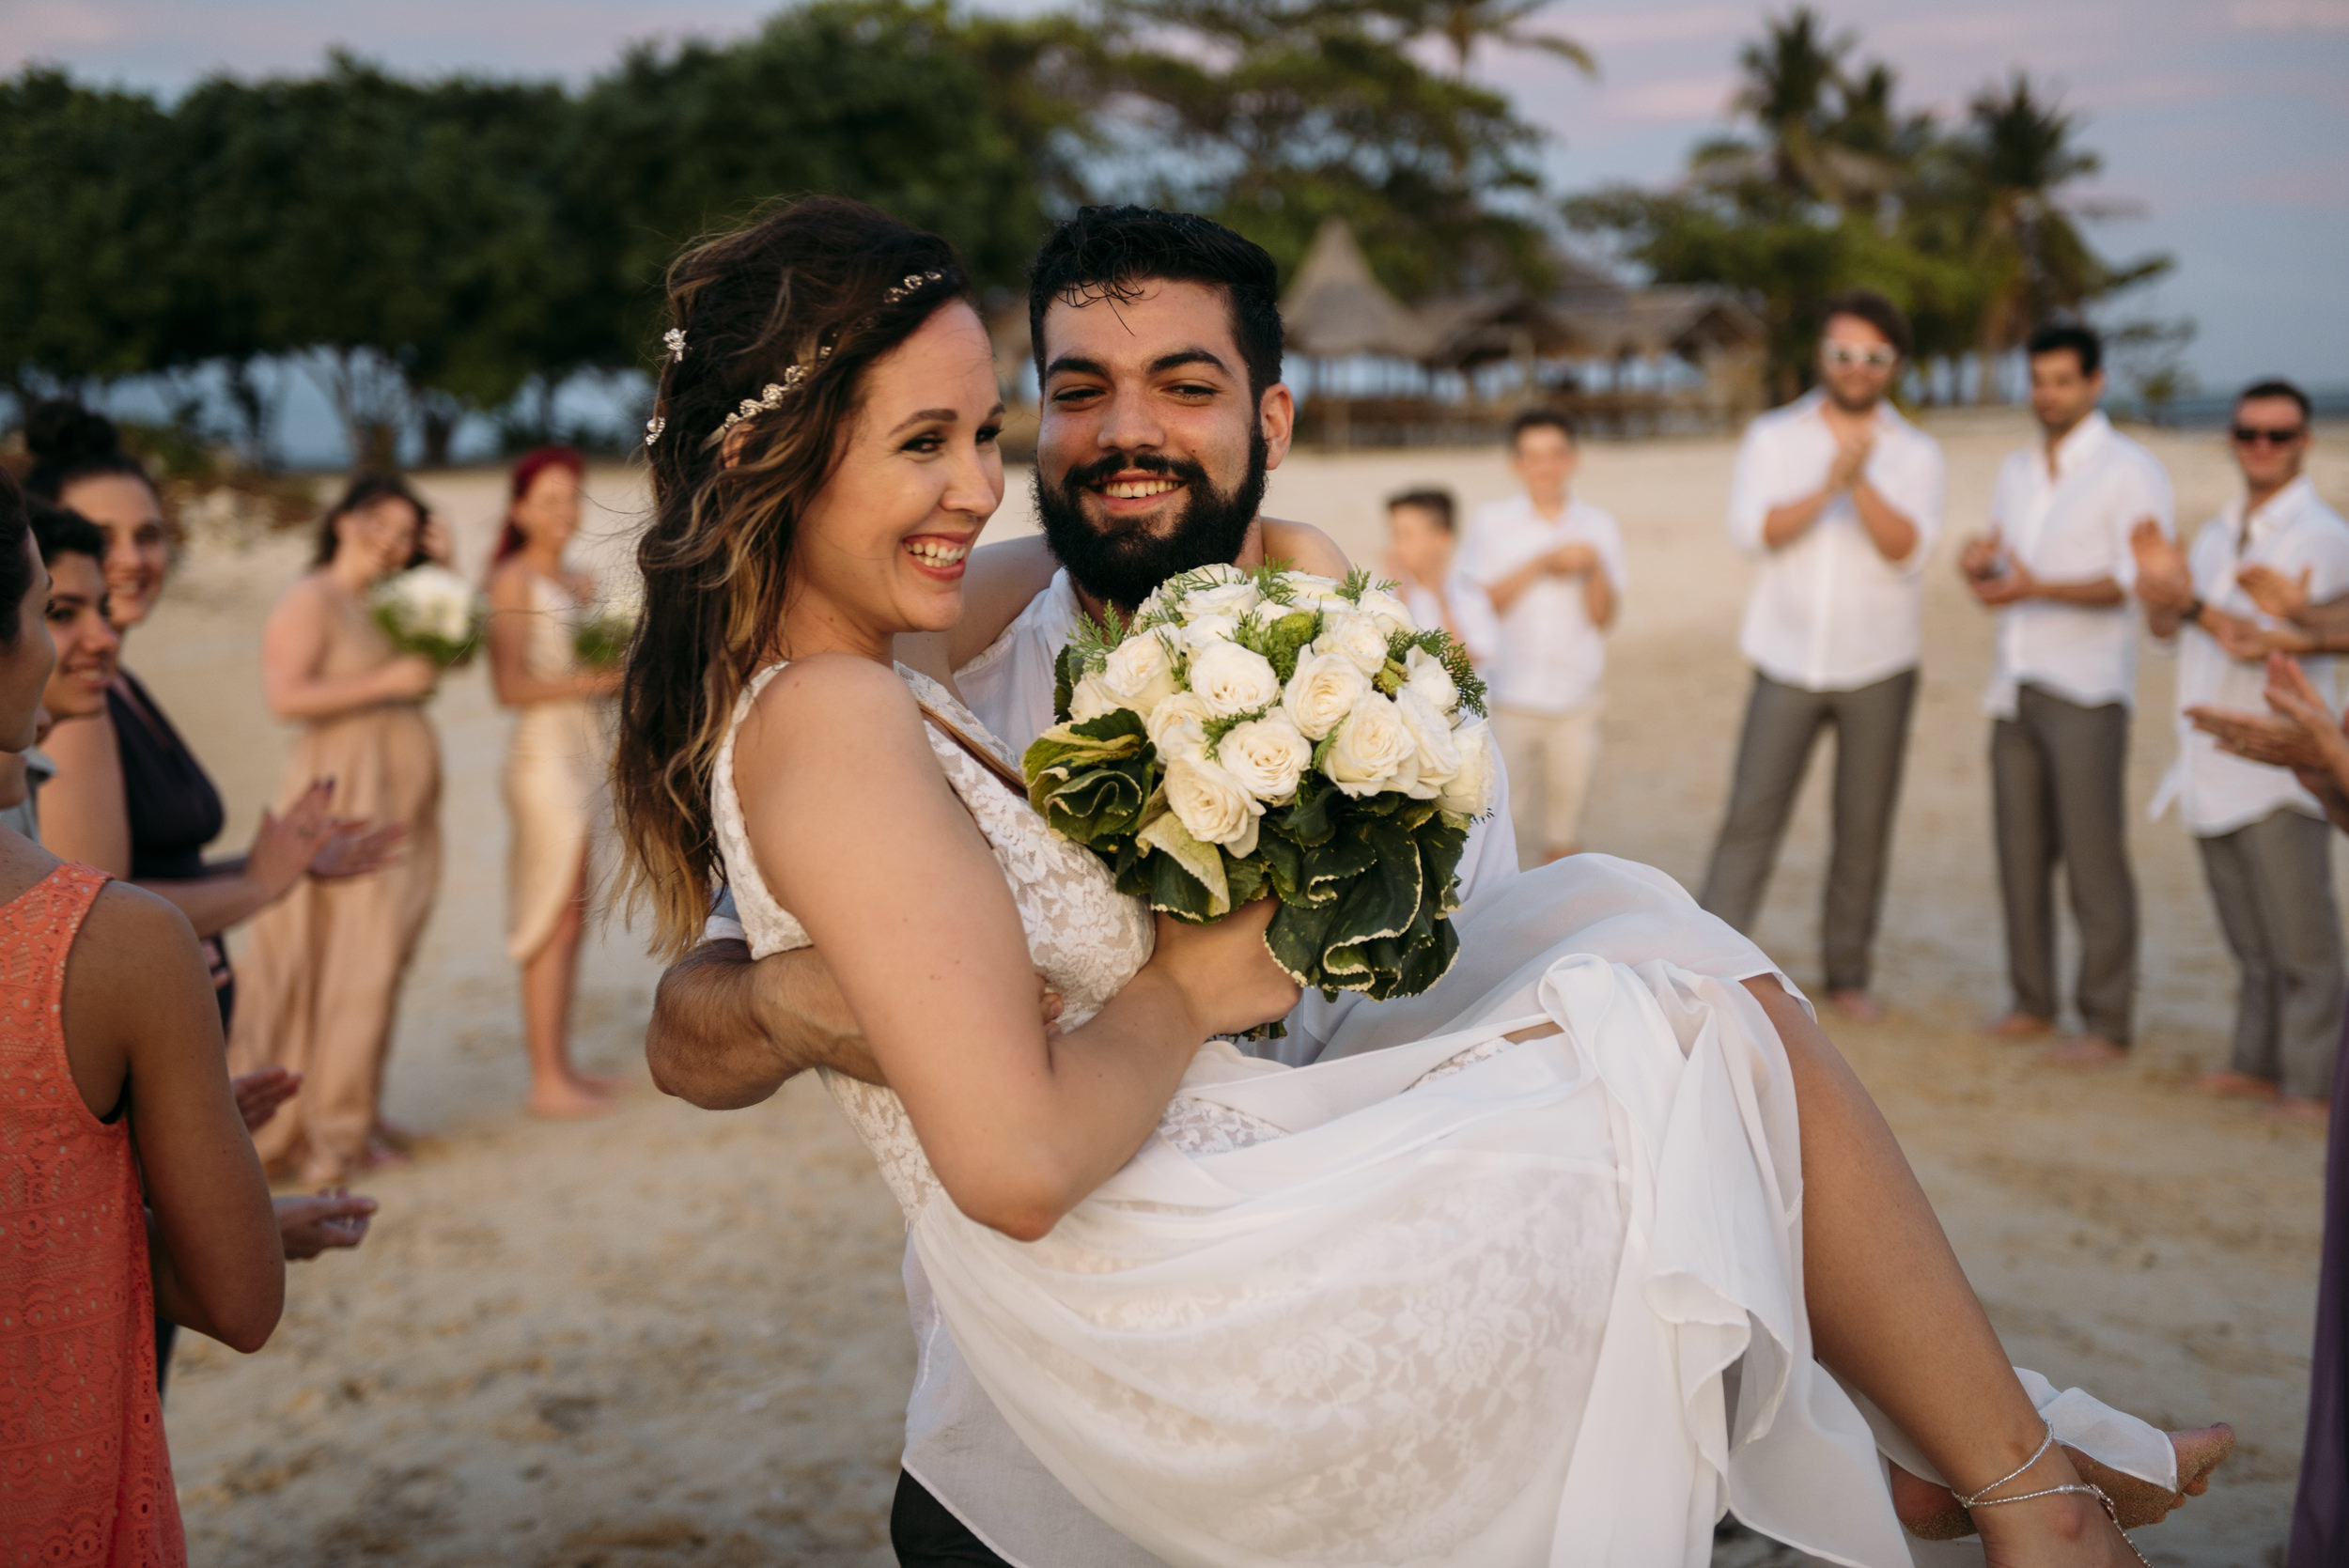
(2056, 566)
(2260, 831)
(1841, 498)
(1552, 566)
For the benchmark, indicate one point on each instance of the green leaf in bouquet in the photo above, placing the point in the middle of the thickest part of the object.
(1244, 877)
(1100, 801)
(1066, 671)
(1295, 941)
(1286, 639)
(1187, 877)
(1330, 868)
(1428, 959)
(1311, 819)
(1284, 862)
(1442, 842)
(1386, 898)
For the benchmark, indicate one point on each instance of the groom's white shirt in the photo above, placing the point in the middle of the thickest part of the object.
(958, 1444)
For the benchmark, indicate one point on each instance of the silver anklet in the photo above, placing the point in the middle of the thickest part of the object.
(2079, 1488)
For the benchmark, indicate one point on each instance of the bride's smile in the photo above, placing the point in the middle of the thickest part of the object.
(882, 545)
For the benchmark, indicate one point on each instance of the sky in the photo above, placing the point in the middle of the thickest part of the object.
(2223, 124)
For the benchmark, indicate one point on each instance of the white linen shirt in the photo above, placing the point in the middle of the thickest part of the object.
(1472, 618)
(1828, 612)
(2217, 792)
(2073, 526)
(1552, 655)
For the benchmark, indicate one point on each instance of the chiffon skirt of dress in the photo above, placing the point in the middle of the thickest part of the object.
(1539, 1303)
(557, 803)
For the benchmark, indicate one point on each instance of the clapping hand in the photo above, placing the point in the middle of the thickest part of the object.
(357, 848)
(2164, 580)
(1851, 460)
(1572, 559)
(283, 846)
(2277, 594)
(2243, 638)
(260, 1093)
(335, 1218)
(2299, 733)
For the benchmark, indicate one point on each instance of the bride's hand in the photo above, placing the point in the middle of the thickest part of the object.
(1224, 970)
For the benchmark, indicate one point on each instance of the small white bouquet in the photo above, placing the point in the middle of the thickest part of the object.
(1276, 729)
(431, 610)
(600, 633)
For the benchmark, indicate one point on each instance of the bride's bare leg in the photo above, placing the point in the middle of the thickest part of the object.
(1891, 1311)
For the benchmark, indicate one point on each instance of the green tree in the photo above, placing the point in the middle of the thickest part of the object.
(1272, 116)
(1465, 25)
(2013, 167)
(93, 223)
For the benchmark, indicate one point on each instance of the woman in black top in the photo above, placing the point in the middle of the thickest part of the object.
(129, 797)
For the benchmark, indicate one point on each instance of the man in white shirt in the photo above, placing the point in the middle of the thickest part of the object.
(1157, 338)
(2261, 835)
(2057, 567)
(1841, 498)
(1552, 566)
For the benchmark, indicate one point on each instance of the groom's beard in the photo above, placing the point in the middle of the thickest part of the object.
(1122, 565)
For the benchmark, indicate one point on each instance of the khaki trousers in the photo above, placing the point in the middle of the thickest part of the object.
(1550, 758)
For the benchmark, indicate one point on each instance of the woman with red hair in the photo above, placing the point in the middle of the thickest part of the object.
(554, 770)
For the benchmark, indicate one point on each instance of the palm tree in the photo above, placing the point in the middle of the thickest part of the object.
(1466, 23)
(2014, 164)
(1826, 137)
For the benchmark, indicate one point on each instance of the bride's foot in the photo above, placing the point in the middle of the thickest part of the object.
(2069, 1530)
(1930, 1512)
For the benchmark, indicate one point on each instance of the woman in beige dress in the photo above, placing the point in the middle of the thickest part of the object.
(323, 968)
(554, 769)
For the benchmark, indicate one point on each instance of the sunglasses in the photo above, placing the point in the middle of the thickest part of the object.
(1845, 354)
(2251, 435)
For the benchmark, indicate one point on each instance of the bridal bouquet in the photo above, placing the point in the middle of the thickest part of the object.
(431, 610)
(1269, 729)
(600, 634)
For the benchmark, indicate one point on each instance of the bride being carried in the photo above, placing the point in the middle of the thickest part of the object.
(1593, 1240)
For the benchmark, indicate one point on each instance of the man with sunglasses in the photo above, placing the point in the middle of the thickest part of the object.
(2056, 566)
(2262, 834)
(1841, 498)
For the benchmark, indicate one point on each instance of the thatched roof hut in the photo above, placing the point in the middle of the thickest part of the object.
(1469, 331)
(1693, 322)
(1336, 308)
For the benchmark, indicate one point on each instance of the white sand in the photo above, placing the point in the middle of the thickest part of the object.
(679, 1337)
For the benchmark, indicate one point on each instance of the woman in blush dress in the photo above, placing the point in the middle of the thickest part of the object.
(323, 972)
(554, 769)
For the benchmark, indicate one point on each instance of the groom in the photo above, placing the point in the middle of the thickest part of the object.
(1157, 343)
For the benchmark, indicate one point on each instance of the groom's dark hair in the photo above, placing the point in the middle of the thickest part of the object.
(1114, 253)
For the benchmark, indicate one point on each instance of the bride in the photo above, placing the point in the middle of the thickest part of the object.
(1554, 1276)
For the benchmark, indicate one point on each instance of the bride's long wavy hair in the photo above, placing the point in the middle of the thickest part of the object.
(780, 320)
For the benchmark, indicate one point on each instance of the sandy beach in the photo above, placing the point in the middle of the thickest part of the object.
(677, 1337)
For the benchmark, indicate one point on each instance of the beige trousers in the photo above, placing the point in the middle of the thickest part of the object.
(1550, 758)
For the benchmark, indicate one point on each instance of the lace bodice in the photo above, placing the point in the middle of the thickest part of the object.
(1085, 937)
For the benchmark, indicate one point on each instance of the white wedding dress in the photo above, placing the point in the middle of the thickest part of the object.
(1438, 1298)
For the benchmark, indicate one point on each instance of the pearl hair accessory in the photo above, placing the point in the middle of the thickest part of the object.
(912, 283)
(674, 338)
(653, 427)
(770, 397)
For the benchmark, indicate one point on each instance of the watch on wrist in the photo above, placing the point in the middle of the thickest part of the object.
(2194, 608)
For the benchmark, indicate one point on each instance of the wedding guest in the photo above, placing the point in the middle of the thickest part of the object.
(1421, 546)
(2302, 734)
(556, 767)
(324, 965)
(79, 690)
(133, 800)
(1552, 566)
(2260, 830)
(2056, 566)
(127, 1187)
(1839, 498)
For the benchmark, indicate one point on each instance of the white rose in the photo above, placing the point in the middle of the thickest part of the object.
(1373, 749)
(1267, 755)
(1309, 586)
(1424, 674)
(1178, 726)
(1091, 698)
(1431, 734)
(1390, 613)
(1356, 639)
(1230, 598)
(1206, 631)
(1322, 692)
(1232, 680)
(1212, 805)
(1141, 674)
(1471, 791)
